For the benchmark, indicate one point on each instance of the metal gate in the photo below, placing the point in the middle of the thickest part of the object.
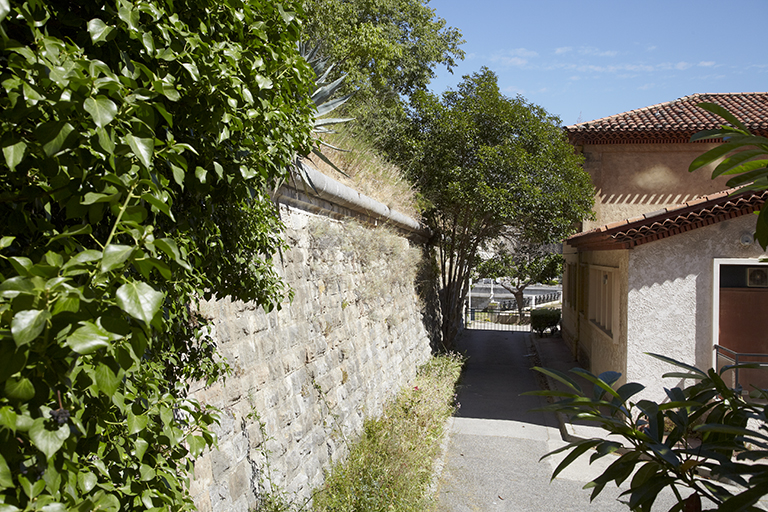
(490, 319)
(505, 316)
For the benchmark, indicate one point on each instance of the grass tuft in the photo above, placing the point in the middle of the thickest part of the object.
(391, 467)
(369, 173)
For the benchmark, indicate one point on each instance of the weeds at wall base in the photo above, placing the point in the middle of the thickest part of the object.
(390, 467)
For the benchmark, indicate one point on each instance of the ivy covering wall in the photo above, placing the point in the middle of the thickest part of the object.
(139, 141)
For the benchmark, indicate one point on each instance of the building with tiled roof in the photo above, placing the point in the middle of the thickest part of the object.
(673, 121)
(669, 264)
(638, 160)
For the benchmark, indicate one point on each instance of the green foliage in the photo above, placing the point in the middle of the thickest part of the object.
(387, 48)
(139, 141)
(391, 466)
(709, 441)
(543, 319)
(742, 155)
(489, 166)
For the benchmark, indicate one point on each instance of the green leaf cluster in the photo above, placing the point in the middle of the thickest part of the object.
(488, 166)
(695, 441)
(139, 141)
(741, 155)
(388, 49)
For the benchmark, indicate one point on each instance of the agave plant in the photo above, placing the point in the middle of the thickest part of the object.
(324, 91)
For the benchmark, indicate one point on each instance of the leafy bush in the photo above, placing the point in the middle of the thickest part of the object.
(391, 466)
(140, 139)
(543, 319)
(726, 448)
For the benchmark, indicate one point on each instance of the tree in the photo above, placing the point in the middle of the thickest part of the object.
(139, 141)
(516, 270)
(487, 165)
(659, 446)
(388, 49)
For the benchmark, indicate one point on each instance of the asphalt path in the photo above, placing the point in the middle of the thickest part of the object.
(492, 457)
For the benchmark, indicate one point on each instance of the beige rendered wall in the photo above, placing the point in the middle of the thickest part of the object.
(633, 179)
(606, 353)
(670, 299)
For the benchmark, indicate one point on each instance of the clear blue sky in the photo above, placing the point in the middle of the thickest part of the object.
(583, 60)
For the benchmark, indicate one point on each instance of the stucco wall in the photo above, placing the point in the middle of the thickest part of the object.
(304, 377)
(633, 179)
(670, 298)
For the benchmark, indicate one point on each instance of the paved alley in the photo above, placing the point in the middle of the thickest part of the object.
(492, 460)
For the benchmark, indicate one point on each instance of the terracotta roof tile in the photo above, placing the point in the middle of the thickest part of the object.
(675, 120)
(671, 221)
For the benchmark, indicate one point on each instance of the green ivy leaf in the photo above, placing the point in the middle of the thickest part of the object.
(8, 418)
(5, 8)
(107, 503)
(88, 338)
(6, 241)
(54, 507)
(146, 473)
(20, 389)
(99, 30)
(6, 480)
(83, 257)
(55, 136)
(136, 423)
(140, 448)
(169, 247)
(86, 481)
(200, 174)
(115, 256)
(106, 379)
(196, 445)
(102, 110)
(14, 154)
(28, 324)
(48, 441)
(157, 203)
(139, 300)
(143, 149)
(21, 265)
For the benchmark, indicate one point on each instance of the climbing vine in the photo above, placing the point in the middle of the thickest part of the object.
(139, 141)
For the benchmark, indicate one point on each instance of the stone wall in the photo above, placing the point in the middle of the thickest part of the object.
(304, 377)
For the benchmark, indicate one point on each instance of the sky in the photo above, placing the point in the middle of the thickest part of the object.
(584, 60)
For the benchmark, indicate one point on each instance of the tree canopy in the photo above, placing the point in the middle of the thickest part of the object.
(388, 49)
(489, 165)
(139, 141)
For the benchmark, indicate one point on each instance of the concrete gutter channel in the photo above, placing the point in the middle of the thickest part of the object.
(553, 353)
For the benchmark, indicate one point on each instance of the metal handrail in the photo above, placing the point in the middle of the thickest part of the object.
(738, 362)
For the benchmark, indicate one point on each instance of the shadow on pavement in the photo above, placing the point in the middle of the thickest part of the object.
(496, 373)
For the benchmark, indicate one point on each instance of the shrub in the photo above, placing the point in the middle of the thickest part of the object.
(543, 319)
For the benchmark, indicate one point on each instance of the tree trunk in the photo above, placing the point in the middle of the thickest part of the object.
(520, 300)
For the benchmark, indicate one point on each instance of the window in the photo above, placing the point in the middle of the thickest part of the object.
(603, 299)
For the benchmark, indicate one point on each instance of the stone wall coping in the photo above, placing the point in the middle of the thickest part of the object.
(298, 194)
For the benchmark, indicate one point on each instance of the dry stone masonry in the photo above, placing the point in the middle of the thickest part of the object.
(304, 377)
